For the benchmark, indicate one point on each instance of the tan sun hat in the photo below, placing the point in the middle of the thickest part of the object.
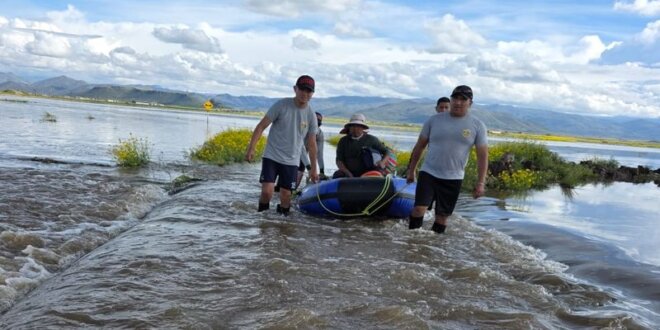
(356, 119)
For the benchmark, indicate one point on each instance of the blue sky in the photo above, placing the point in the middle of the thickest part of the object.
(593, 57)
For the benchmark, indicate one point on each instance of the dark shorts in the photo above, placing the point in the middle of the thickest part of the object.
(271, 170)
(443, 192)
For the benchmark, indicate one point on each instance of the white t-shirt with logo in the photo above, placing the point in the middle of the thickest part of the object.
(450, 141)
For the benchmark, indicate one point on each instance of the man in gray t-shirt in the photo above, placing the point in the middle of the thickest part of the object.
(449, 136)
(293, 121)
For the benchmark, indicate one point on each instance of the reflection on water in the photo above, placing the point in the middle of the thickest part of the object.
(621, 214)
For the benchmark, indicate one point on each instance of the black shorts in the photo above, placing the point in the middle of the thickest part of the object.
(443, 192)
(271, 170)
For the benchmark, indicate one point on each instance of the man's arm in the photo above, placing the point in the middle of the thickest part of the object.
(256, 135)
(482, 170)
(311, 148)
(415, 154)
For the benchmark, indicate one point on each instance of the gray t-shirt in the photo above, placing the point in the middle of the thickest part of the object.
(290, 127)
(304, 157)
(450, 141)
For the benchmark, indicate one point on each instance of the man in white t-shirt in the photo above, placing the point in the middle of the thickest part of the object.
(449, 136)
(293, 121)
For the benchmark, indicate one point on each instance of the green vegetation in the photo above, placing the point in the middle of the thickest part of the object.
(13, 92)
(334, 140)
(564, 138)
(181, 183)
(532, 166)
(132, 152)
(227, 147)
(48, 117)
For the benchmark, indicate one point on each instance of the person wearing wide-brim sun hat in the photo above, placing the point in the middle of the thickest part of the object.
(352, 149)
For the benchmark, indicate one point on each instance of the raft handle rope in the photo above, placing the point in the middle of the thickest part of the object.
(374, 204)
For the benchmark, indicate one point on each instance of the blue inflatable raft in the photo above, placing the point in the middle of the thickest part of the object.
(359, 197)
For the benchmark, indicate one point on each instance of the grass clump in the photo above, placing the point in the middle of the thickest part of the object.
(227, 147)
(334, 140)
(48, 117)
(132, 152)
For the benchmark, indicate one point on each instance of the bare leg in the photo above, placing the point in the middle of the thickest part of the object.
(266, 192)
(419, 211)
(417, 217)
(285, 198)
(440, 224)
(441, 219)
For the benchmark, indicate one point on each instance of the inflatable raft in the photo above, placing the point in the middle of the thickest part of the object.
(359, 197)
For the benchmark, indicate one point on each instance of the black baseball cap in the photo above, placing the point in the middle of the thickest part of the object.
(306, 82)
(462, 90)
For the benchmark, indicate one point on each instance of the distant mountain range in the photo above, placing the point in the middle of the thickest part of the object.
(413, 111)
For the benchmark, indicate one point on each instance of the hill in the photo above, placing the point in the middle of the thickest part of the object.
(141, 95)
(59, 86)
(10, 77)
(404, 111)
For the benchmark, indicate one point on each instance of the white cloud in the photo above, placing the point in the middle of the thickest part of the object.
(305, 42)
(47, 44)
(350, 30)
(453, 36)
(651, 33)
(642, 7)
(591, 48)
(188, 38)
(295, 8)
(70, 14)
(562, 71)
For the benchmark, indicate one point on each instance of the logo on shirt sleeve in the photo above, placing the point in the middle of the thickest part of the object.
(467, 133)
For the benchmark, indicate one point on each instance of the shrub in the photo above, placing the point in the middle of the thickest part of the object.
(520, 180)
(334, 140)
(570, 175)
(227, 147)
(132, 152)
(535, 166)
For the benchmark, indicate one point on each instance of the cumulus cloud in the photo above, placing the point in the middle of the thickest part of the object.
(591, 48)
(651, 33)
(188, 38)
(295, 8)
(350, 30)
(47, 44)
(305, 42)
(453, 36)
(642, 7)
(70, 14)
(561, 72)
